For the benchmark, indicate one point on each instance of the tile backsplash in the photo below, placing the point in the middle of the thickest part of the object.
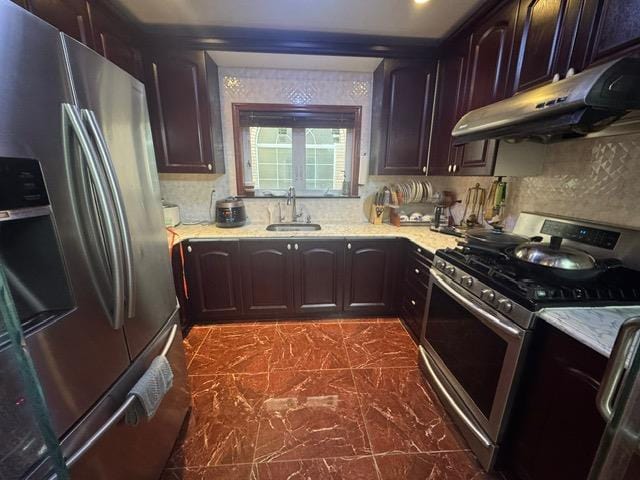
(596, 179)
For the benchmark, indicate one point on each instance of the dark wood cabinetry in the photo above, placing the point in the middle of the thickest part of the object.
(449, 106)
(617, 30)
(556, 429)
(213, 276)
(414, 285)
(318, 270)
(370, 276)
(115, 41)
(182, 91)
(267, 277)
(401, 116)
(69, 16)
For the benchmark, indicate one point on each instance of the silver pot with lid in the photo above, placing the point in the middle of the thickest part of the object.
(559, 261)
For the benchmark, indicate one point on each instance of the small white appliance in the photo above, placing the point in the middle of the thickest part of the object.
(171, 214)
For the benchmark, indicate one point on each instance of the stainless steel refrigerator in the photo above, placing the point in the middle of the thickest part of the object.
(85, 248)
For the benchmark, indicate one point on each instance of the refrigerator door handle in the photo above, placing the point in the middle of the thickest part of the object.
(71, 118)
(112, 180)
(117, 415)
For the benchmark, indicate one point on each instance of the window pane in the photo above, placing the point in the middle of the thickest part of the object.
(325, 158)
(271, 157)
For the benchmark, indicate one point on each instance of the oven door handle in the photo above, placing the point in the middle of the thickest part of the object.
(477, 431)
(487, 316)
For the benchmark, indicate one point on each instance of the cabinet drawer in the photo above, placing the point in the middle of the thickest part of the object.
(424, 255)
(416, 273)
(412, 308)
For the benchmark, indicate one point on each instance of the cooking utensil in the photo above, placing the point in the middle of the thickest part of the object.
(496, 238)
(554, 260)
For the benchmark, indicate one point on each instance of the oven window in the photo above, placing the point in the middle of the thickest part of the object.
(472, 352)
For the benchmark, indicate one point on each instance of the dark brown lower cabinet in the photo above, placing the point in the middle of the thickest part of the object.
(412, 294)
(214, 286)
(318, 273)
(267, 277)
(370, 275)
(555, 429)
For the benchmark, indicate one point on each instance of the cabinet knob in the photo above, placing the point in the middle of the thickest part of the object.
(348, 246)
(413, 302)
(424, 169)
(189, 248)
(455, 168)
(417, 271)
(419, 250)
(295, 246)
(209, 167)
(288, 246)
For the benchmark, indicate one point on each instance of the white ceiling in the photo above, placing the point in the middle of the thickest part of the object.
(405, 18)
(290, 61)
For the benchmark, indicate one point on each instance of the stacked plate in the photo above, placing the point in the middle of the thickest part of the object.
(413, 191)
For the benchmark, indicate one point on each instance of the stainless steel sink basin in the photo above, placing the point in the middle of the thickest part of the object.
(293, 227)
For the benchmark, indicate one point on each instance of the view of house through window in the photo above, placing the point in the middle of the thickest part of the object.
(310, 159)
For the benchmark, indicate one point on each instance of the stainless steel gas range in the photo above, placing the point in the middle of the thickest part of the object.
(481, 310)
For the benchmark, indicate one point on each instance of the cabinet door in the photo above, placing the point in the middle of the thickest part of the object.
(449, 107)
(179, 110)
(68, 16)
(406, 110)
(114, 41)
(489, 56)
(267, 277)
(618, 29)
(556, 427)
(370, 276)
(319, 267)
(213, 280)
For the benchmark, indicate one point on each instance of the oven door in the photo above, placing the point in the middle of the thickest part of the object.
(475, 352)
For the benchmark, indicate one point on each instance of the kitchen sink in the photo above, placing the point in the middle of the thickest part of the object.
(293, 227)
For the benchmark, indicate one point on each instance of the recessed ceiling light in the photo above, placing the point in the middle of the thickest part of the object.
(419, 2)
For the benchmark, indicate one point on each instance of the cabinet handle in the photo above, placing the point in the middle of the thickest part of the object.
(209, 167)
(288, 246)
(455, 168)
(424, 169)
(417, 271)
(413, 302)
(348, 246)
(295, 246)
(419, 250)
(450, 168)
(189, 249)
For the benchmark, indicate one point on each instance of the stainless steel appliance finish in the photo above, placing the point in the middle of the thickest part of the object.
(32, 91)
(85, 122)
(114, 109)
(481, 310)
(230, 212)
(574, 106)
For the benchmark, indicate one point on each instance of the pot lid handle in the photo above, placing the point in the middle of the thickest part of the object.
(555, 242)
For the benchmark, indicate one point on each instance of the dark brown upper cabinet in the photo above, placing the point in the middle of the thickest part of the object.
(552, 37)
(449, 105)
(184, 105)
(115, 41)
(489, 59)
(318, 270)
(370, 276)
(213, 277)
(267, 277)
(401, 117)
(618, 30)
(68, 16)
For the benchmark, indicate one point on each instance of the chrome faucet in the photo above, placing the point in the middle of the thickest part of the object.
(291, 200)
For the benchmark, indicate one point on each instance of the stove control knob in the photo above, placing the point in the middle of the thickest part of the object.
(506, 305)
(487, 294)
(468, 281)
(440, 264)
(451, 271)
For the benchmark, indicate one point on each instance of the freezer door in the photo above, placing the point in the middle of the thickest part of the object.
(114, 110)
(77, 354)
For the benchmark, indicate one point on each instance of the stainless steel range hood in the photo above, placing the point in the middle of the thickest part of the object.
(573, 107)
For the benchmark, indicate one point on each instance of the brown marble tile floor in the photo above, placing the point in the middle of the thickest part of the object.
(322, 399)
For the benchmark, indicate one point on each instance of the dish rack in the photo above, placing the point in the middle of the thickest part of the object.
(394, 196)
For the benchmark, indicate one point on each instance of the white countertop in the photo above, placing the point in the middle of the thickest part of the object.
(595, 327)
(421, 235)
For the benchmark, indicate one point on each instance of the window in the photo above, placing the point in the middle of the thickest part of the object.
(311, 148)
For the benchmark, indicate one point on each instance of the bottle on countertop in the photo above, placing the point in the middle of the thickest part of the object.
(346, 188)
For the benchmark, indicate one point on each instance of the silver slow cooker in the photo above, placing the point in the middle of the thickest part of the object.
(230, 212)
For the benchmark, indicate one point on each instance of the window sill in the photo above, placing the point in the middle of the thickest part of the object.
(315, 197)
